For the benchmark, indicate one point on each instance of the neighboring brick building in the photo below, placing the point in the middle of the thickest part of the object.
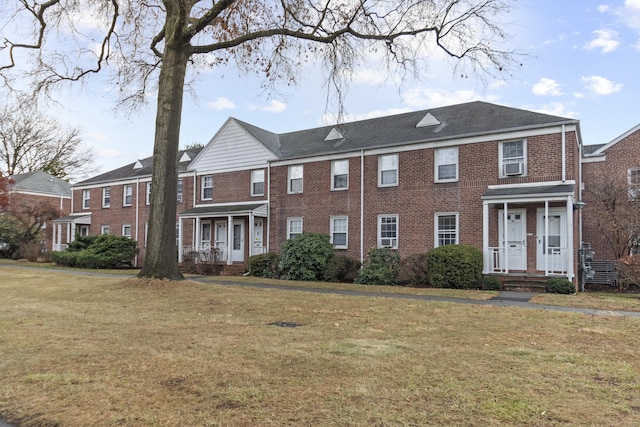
(611, 175)
(37, 189)
(411, 181)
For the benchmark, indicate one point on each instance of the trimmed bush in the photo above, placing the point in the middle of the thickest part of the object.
(558, 285)
(455, 266)
(101, 251)
(413, 271)
(341, 268)
(264, 265)
(305, 257)
(380, 268)
(628, 271)
(491, 283)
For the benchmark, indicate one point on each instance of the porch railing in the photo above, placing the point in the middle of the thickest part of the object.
(555, 262)
(204, 254)
(59, 246)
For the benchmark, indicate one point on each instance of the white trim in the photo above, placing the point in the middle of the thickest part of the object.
(616, 140)
(289, 221)
(436, 164)
(333, 188)
(289, 179)
(251, 182)
(530, 184)
(394, 241)
(103, 227)
(105, 205)
(86, 199)
(148, 194)
(124, 195)
(397, 169)
(35, 193)
(130, 230)
(501, 172)
(202, 187)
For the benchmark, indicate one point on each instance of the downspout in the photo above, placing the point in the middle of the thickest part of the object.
(266, 246)
(137, 218)
(195, 184)
(564, 154)
(361, 207)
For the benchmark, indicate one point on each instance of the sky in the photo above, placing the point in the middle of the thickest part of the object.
(582, 62)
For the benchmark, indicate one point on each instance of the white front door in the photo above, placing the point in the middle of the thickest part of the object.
(205, 235)
(221, 239)
(552, 243)
(514, 249)
(237, 248)
(257, 245)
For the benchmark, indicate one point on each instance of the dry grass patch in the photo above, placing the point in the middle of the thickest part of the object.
(598, 301)
(78, 351)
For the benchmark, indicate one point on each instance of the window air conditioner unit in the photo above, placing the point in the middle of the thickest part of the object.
(387, 243)
(514, 169)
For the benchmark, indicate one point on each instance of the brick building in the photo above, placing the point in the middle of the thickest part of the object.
(498, 178)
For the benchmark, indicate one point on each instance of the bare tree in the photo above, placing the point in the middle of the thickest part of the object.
(613, 212)
(153, 41)
(30, 141)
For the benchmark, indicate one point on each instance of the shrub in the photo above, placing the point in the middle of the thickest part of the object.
(264, 265)
(305, 257)
(491, 283)
(558, 285)
(381, 267)
(101, 251)
(628, 271)
(413, 270)
(454, 266)
(201, 262)
(341, 268)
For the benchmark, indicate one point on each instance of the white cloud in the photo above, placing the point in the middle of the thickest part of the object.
(331, 118)
(579, 95)
(496, 84)
(421, 97)
(275, 107)
(604, 8)
(369, 77)
(546, 87)
(221, 103)
(606, 40)
(554, 109)
(598, 85)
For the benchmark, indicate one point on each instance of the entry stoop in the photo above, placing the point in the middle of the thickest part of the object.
(524, 283)
(233, 269)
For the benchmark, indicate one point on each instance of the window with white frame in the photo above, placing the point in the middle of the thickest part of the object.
(446, 167)
(339, 231)
(294, 227)
(106, 197)
(257, 182)
(126, 230)
(207, 187)
(513, 156)
(180, 189)
(340, 174)
(633, 180)
(388, 231)
(446, 227)
(86, 199)
(388, 170)
(104, 229)
(296, 173)
(127, 194)
(148, 198)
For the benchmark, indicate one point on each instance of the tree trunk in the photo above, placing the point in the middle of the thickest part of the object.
(160, 259)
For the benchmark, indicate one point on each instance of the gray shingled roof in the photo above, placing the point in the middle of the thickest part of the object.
(463, 120)
(590, 149)
(523, 191)
(128, 171)
(40, 182)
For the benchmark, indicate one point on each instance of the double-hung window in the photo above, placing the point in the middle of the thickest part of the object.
(446, 226)
(104, 229)
(294, 227)
(180, 189)
(446, 167)
(86, 199)
(127, 195)
(257, 182)
(388, 170)
(126, 230)
(513, 155)
(339, 231)
(388, 231)
(148, 199)
(207, 187)
(633, 180)
(106, 197)
(340, 174)
(296, 173)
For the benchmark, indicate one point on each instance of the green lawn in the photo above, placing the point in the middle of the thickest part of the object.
(86, 350)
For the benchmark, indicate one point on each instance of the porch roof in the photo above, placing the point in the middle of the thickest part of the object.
(533, 192)
(74, 219)
(222, 210)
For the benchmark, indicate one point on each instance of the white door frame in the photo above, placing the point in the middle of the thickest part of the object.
(515, 247)
(220, 238)
(554, 260)
(237, 240)
(257, 238)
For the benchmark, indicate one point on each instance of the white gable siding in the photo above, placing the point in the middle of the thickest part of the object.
(230, 150)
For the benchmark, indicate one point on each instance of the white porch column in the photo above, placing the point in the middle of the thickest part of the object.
(251, 226)
(229, 239)
(53, 237)
(196, 242)
(485, 238)
(180, 245)
(73, 232)
(505, 230)
(545, 247)
(569, 261)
